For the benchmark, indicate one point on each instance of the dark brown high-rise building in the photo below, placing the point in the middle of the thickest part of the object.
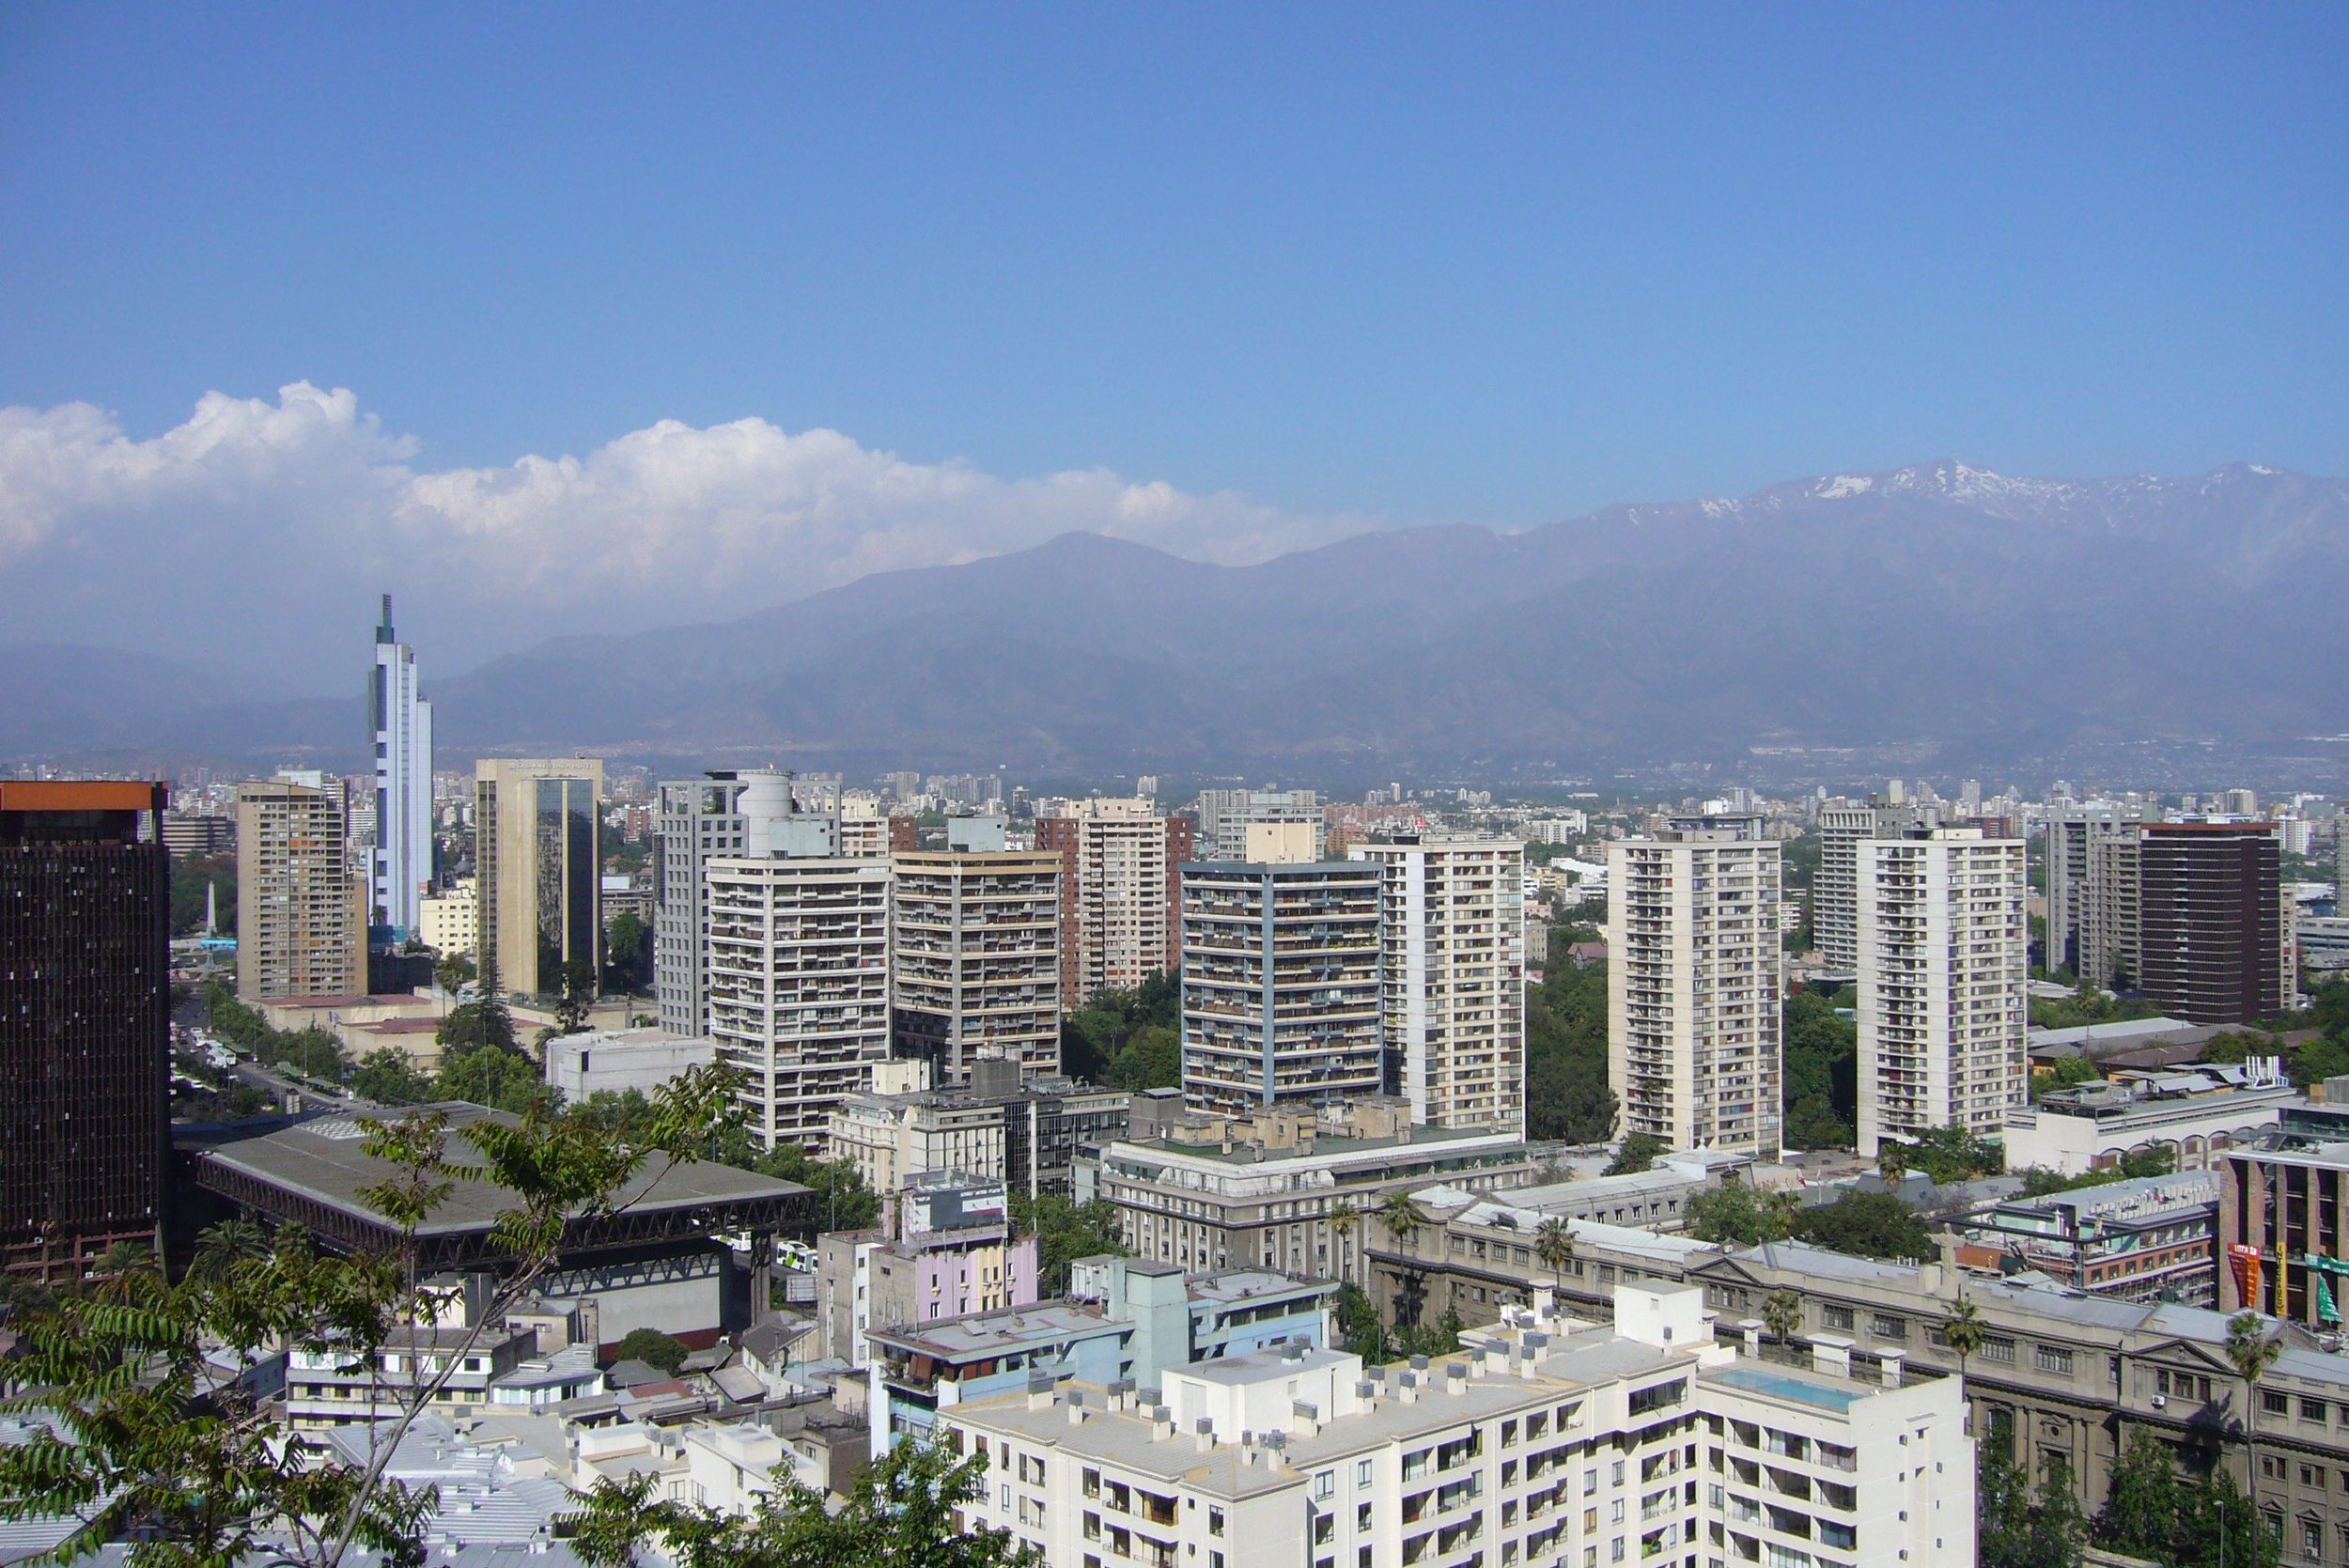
(2210, 939)
(84, 1021)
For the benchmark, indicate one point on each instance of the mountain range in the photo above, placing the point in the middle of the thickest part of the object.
(1981, 616)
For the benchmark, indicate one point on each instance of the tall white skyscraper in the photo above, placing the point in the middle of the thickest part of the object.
(400, 868)
(1452, 965)
(1693, 979)
(1943, 965)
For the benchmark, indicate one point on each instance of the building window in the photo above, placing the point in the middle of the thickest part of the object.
(1215, 1523)
(1836, 1317)
(1886, 1327)
(1325, 1485)
(1361, 1473)
(2312, 1410)
(1997, 1350)
(2275, 1404)
(2047, 1358)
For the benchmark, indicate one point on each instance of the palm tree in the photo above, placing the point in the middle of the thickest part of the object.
(1553, 1243)
(2253, 1350)
(1402, 1218)
(1343, 1219)
(1781, 1311)
(1892, 1161)
(1963, 1331)
(223, 1245)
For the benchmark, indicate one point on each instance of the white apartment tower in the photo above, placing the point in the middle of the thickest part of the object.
(796, 985)
(1452, 969)
(400, 868)
(974, 959)
(1943, 965)
(700, 820)
(1694, 977)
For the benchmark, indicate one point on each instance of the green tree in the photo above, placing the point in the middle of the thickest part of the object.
(1358, 1326)
(578, 996)
(221, 1249)
(191, 875)
(387, 1077)
(2252, 1349)
(906, 1510)
(1344, 1219)
(195, 1475)
(1781, 1313)
(1402, 1221)
(2218, 1524)
(454, 971)
(848, 1204)
(2143, 1508)
(1568, 1095)
(501, 1078)
(1963, 1331)
(1735, 1214)
(1637, 1152)
(628, 953)
(1821, 1077)
(654, 1348)
(1866, 1225)
(1151, 1058)
(2019, 1528)
(1553, 1244)
(1065, 1230)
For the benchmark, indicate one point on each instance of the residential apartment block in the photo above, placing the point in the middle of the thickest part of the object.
(707, 818)
(1121, 890)
(1280, 984)
(302, 915)
(2214, 929)
(1226, 815)
(975, 960)
(1452, 971)
(1944, 960)
(796, 985)
(1542, 1442)
(1694, 981)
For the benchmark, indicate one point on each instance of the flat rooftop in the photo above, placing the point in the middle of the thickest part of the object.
(323, 1163)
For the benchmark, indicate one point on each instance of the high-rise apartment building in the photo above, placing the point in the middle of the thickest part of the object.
(302, 920)
(1281, 994)
(1944, 962)
(2214, 941)
(1835, 885)
(1452, 976)
(975, 960)
(1694, 975)
(1225, 814)
(2091, 895)
(85, 1022)
(796, 983)
(537, 859)
(401, 863)
(1121, 890)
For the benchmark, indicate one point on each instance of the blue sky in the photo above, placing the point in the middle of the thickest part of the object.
(1359, 267)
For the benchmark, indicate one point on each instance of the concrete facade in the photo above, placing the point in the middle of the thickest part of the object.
(975, 960)
(301, 917)
(1452, 968)
(1694, 978)
(1280, 984)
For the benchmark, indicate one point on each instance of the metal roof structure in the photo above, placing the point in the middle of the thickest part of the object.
(314, 1173)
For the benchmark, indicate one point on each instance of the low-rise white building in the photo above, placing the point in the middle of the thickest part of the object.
(1546, 1441)
(622, 1059)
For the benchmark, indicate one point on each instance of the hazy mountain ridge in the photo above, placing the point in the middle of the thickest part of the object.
(1937, 602)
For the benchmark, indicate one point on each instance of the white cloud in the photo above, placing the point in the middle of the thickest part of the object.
(262, 523)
